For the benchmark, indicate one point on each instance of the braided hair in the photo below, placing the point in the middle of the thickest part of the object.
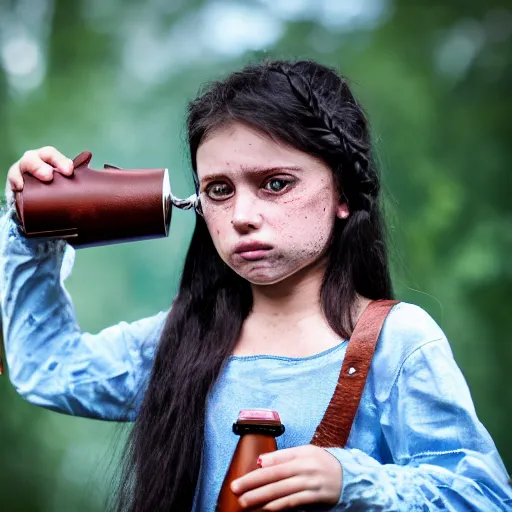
(340, 126)
(340, 135)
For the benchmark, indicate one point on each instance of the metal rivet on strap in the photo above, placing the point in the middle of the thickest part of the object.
(351, 370)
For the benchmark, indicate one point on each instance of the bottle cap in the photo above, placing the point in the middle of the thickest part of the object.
(259, 415)
(258, 421)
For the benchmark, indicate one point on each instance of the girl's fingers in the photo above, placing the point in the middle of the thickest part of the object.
(15, 178)
(31, 163)
(40, 163)
(300, 499)
(56, 159)
(274, 491)
(264, 476)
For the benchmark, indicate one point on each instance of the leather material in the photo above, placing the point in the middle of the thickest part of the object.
(334, 429)
(96, 207)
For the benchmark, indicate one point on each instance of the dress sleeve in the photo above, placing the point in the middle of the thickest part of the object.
(51, 362)
(443, 457)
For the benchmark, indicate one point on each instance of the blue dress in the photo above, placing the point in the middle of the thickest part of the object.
(416, 443)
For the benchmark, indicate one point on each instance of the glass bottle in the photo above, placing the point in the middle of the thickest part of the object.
(258, 429)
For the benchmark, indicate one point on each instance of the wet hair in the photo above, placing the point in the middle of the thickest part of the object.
(308, 107)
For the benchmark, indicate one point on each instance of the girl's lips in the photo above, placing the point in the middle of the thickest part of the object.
(253, 255)
(252, 250)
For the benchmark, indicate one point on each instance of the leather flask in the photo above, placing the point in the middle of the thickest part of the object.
(96, 207)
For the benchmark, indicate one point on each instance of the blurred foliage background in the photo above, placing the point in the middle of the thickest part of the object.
(113, 77)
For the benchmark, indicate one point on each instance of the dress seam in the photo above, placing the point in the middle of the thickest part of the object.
(401, 365)
(289, 359)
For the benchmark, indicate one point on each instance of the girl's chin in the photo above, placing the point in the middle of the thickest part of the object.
(264, 278)
(264, 282)
(270, 275)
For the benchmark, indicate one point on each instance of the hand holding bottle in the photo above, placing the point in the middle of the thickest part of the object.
(40, 163)
(290, 478)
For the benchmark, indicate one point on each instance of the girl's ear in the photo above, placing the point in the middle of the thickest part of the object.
(342, 211)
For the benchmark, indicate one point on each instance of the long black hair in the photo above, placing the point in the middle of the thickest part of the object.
(311, 108)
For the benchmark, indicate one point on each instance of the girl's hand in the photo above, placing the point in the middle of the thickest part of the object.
(41, 163)
(290, 478)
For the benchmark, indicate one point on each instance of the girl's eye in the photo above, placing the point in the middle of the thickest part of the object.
(276, 184)
(219, 191)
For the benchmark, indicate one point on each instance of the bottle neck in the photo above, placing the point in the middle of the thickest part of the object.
(273, 430)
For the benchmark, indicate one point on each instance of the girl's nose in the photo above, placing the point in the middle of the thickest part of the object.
(246, 216)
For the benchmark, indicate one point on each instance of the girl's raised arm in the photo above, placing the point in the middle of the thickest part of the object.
(51, 362)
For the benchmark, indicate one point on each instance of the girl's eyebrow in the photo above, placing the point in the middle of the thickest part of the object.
(254, 171)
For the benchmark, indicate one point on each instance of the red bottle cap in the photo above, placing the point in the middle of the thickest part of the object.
(263, 421)
(258, 414)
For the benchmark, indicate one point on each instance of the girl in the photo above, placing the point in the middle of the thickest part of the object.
(287, 251)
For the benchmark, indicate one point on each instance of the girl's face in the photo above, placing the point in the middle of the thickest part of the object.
(270, 209)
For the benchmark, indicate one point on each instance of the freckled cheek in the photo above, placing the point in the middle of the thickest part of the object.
(219, 227)
(307, 233)
(302, 238)
(312, 220)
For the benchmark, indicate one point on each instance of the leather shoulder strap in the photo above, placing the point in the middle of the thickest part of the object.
(335, 426)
